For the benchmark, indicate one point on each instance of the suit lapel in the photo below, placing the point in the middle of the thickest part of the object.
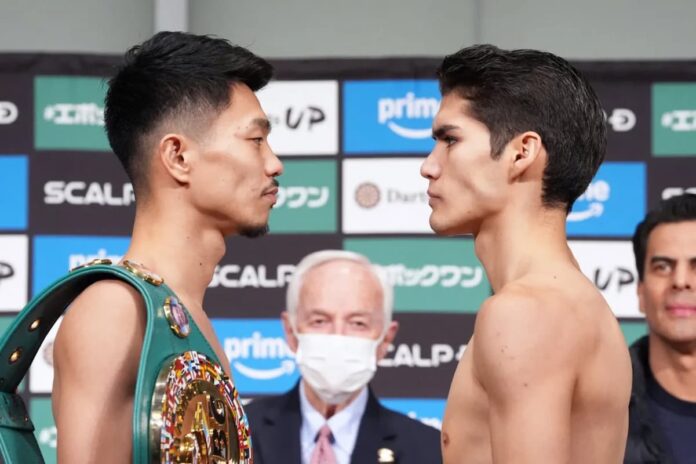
(374, 433)
(282, 427)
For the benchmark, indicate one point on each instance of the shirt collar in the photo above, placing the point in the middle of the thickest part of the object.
(344, 424)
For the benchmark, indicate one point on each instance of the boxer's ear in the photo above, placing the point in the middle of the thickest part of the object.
(526, 153)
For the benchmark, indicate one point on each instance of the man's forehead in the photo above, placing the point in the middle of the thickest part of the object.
(454, 110)
(673, 237)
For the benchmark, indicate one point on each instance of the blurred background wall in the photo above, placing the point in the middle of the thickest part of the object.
(587, 30)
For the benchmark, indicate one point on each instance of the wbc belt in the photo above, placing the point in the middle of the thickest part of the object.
(185, 408)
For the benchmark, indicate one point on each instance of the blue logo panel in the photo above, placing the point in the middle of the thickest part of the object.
(55, 255)
(389, 116)
(613, 204)
(429, 411)
(14, 192)
(260, 359)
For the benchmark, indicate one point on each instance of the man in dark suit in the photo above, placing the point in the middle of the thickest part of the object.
(662, 411)
(339, 324)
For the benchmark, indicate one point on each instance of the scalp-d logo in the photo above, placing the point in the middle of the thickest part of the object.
(251, 276)
(306, 198)
(414, 355)
(58, 192)
(613, 203)
(259, 358)
(69, 113)
(389, 116)
(428, 274)
(674, 119)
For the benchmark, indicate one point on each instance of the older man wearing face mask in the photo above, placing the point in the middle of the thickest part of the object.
(339, 324)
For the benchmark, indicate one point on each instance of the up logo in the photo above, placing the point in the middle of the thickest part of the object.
(611, 267)
(261, 361)
(389, 116)
(613, 203)
(302, 196)
(304, 115)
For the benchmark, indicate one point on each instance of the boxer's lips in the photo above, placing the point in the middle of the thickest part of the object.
(681, 309)
(271, 193)
(432, 198)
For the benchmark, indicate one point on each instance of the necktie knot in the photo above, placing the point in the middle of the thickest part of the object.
(325, 433)
(323, 453)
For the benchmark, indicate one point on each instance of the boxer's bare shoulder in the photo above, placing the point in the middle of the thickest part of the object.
(537, 376)
(96, 356)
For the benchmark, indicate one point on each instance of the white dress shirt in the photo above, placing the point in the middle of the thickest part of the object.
(344, 426)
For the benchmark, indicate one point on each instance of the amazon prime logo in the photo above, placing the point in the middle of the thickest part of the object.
(410, 108)
(595, 196)
(261, 361)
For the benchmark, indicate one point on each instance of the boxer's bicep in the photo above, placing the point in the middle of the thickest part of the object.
(96, 358)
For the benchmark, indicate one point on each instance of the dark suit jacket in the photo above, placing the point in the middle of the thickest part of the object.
(275, 433)
(645, 444)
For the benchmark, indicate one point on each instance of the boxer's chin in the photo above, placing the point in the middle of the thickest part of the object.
(254, 231)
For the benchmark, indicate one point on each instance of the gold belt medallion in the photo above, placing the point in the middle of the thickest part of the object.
(197, 416)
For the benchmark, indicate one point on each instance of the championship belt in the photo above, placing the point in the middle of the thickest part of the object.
(185, 409)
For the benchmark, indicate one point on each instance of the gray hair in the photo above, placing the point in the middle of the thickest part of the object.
(313, 260)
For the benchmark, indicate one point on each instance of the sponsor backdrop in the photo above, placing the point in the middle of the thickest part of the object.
(352, 135)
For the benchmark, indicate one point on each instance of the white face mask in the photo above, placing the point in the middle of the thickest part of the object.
(336, 366)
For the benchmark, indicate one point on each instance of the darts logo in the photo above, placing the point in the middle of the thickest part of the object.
(367, 195)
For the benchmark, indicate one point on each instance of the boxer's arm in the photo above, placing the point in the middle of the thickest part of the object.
(524, 360)
(96, 357)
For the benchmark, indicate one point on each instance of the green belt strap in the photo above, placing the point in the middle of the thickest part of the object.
(20, 343)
